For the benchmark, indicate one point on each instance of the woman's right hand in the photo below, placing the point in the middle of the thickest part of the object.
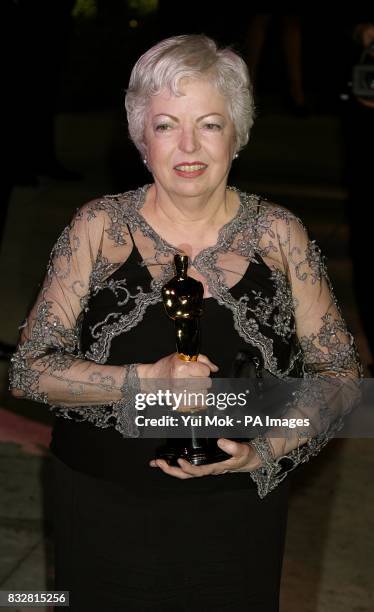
(175, 375)
(172, 367)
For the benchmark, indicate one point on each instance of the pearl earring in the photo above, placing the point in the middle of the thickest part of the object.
(145, 161)
(236, 156)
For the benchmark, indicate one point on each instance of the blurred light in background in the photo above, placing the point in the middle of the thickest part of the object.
(85, 8)
(143, 7)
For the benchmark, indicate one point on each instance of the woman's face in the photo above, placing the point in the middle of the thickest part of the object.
(189, 139)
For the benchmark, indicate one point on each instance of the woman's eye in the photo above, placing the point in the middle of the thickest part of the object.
(163, 127)
(212, 126)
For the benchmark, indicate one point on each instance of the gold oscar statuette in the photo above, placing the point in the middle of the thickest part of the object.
(183, 301)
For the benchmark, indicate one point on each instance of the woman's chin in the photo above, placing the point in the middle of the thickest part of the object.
(190, 187)
(185, 187)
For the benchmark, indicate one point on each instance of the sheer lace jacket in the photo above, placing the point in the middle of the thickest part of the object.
(49, 366)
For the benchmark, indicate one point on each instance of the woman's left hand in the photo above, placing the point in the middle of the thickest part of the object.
(243, 459)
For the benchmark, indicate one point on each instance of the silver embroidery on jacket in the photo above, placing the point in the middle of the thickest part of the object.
(52, 346)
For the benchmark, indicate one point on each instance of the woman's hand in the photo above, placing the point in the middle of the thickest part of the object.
(174, 367)
(174, 374)
(244, 459)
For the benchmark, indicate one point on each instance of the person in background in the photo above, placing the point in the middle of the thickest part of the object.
(291, 33)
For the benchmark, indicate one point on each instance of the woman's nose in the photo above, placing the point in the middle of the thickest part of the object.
(189, 141)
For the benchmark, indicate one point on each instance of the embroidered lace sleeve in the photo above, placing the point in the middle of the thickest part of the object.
(47, 366)
(330, 362)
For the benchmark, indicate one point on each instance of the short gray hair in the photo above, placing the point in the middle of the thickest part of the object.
(191, 56)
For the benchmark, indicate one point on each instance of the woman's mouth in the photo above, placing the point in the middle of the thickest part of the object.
(190, 170)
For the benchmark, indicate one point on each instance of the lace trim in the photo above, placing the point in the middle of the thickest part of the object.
(106, 330)
(51, 344)
(271, 474)
(274, 471)
(120, 414)
(326, 402)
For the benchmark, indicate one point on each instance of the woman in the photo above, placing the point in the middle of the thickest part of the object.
(131, 531)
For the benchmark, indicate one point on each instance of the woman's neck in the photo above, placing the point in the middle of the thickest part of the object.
(195, 214)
